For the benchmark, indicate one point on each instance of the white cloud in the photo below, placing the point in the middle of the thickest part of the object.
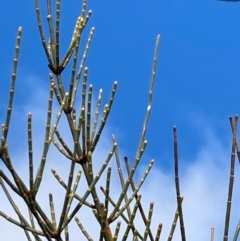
(204, 183)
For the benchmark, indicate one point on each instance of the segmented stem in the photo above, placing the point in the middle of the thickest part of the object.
(12, 89)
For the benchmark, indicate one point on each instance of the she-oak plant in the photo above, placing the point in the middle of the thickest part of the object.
(85, 137)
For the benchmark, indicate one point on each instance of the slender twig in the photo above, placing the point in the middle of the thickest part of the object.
(51, 31)
(18, 181)
(62, 107)
(78, 130)
(38, 178)
(105, 116)
(57, 94)
(74, 117)
(116, 231)
(89, 108)
(20, 224)
(33, 225)
(28, 196)
(107, 187)
(57, 30)
(84, 7)
(65, 146)
(236, 232)
(83, 113)
(83, 229)
(131, 219)
(90, 167)
(96, 114)
(177, 184)
(135, 237)
(66, 233)
(122, 184)
(120, 174)
(130, 176)
(10, 184)
(30, 151)
(74, 42)
(81, 67)
(65, 186)
(48, 140)
(77, 35)
(12, 89)
(146, 233)
(154, 67)
(159, 230)
(122, 214)
(136, 196)
(40, 27)
(150, 96)
(174, 223)
(24, 224)
(67, 197)
(52, 210)
(73, 192)
(231, 178)
(236, 140)
(134, 193)
(66, 154)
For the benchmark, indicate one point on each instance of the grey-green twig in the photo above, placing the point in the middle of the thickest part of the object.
(177, 185)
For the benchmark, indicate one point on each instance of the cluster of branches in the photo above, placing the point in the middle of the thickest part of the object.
(85, 136)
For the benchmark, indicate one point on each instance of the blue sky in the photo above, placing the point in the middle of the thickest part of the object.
(197, 79)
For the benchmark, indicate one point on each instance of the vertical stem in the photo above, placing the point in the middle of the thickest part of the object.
(57, 30)
(177, 184)
(231, 178)
(30, 151)
(14, 74)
